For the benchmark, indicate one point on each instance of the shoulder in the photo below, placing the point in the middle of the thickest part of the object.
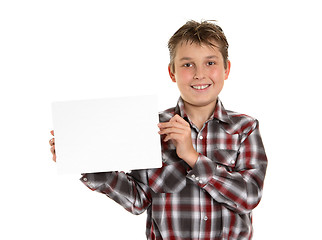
(241, 123)
(166, 115)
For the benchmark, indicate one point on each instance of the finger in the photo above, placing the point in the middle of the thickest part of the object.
(52, 142)
(171, 130)
(172, 124)
(52, 149)
(179, 119)
(168, 137)
(172, 136)
(175, 119)
(52, 132)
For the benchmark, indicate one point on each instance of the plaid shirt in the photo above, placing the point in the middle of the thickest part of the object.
(213, 200)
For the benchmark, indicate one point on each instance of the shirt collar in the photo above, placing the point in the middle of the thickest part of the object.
(220, 112)
(180, 109)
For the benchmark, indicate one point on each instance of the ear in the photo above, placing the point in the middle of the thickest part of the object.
(171, 74)
(227, 70)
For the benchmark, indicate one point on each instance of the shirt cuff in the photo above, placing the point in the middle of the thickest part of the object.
(94, 181)
(85, 180)
(203, 171)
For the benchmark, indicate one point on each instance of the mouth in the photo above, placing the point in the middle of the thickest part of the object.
(200, 87)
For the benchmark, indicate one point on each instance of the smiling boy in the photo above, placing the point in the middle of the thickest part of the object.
(214, 162)
(199, 71)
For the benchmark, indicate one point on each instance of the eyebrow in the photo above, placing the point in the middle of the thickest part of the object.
(212, 56)
(189, 59)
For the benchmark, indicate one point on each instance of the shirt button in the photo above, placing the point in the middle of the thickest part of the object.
(85, 179)
(200, 137)
(193, 176)
(232, 162)
(205, 218)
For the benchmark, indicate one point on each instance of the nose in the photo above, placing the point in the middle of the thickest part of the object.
(199, 73)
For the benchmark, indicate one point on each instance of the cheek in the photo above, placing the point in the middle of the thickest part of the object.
(216, 75)
(184, 75)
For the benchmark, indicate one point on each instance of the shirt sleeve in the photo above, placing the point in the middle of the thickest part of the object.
(238, 186)
(129, 190)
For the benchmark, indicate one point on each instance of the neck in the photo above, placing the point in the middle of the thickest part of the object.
(199, 114)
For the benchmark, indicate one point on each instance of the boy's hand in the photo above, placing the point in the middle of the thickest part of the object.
(178, 130)
(52, 144)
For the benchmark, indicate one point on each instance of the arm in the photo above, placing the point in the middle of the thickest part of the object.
(239, 188)
(129, 190)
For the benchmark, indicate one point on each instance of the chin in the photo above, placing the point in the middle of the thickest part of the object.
(202, 102)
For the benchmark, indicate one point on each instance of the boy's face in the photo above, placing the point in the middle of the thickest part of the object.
(199, 73)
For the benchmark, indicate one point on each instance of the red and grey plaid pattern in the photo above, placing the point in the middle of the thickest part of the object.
(214, 200)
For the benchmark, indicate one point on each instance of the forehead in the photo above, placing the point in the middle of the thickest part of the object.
(196, 50)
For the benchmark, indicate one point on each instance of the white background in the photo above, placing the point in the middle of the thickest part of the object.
(63, 50)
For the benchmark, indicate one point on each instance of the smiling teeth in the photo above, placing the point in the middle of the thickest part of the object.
(200, 87)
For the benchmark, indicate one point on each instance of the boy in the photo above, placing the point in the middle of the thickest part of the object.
(214, 162)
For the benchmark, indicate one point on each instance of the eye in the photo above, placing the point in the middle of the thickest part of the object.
(187, 65)
(211, 63)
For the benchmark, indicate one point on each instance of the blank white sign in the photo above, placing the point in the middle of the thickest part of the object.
(112, 134)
